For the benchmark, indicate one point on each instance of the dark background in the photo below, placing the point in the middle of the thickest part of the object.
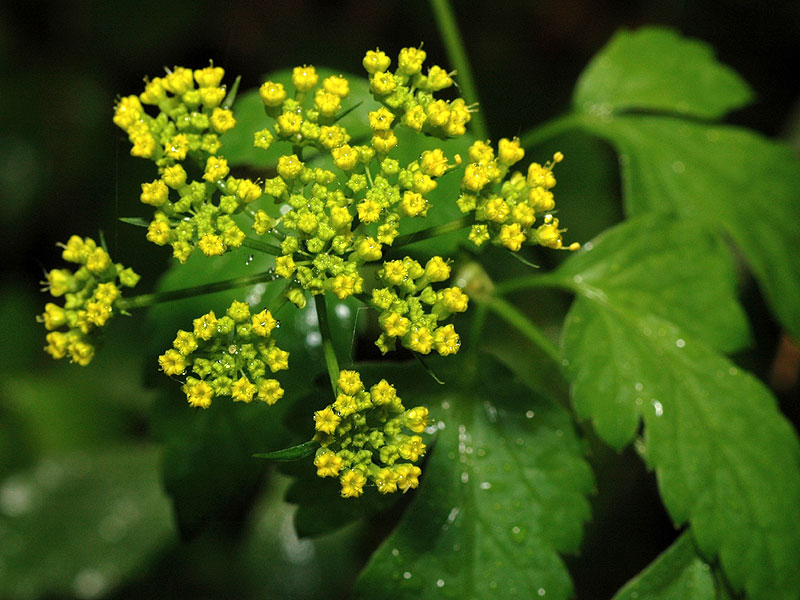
(64, 167)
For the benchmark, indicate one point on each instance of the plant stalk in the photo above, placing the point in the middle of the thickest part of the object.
(454, 44)
(327, 340)
(144, 300)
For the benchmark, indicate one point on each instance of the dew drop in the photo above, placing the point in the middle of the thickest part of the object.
(395, 552)
(445, 405)
(313, 339)
(248, 260)
(16, 497)
(658, 408)
(541, 591)
(485, 485)
(406, 575)
(342, 311)
(529, 414)
(464, 477)
(89, 583)
(440, 583)
(577, 279)
(680, 343)
(678, 167)
(638, 386)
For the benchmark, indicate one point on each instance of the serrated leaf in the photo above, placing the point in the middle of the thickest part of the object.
(81, 523)
(237, 144)
(727, 178)
(670, 268)
(677, 574)
(657, 69)
(725, 458)
(503, 493)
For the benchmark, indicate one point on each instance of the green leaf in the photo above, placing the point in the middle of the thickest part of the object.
(297, 452)
(730, 180)
(677, 574)
(503, 493)
(656, 69)
(80, 524)
(725, 458)
(237, 144)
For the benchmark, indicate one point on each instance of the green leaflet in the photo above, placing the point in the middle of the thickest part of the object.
(646, 266)
(677, 574)
(725, 458)
(730, 179)
(82, 523)
(503, 493)
(656, 69)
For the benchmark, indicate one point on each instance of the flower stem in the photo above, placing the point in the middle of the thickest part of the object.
(424, 234)
(550, 129)
(265, 247)
(454, 44)
(327, 340)
(145, 300)
(514, 317)
(526, 282)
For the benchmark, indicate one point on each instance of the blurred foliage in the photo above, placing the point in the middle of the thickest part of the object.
(84, 509)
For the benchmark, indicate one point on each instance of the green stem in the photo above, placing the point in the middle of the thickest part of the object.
(526, 282)
(418, 236)
(551, 129)
(514, 317)
(454, 44)
(265, 247)
(144, 300)
(327, 340)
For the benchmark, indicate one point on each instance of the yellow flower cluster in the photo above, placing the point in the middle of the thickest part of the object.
(91, 296)
(507, 215)
(228, 356)
(184, 135)
(409, 94)
(411, 309)
(362, 438)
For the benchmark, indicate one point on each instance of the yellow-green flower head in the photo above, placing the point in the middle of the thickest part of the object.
(92, 295)
(362, 439)
(228, 356)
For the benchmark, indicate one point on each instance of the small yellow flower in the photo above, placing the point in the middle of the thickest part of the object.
(352, 482)
(211, 245)
(185, 342)
(383, 393)
(277, 359)
(326, 420)
(154, 193)
(375, 61)
(327, 463)
(269, 391)
(512, 236)
(198, 393)
(337, 84)
(222, 120)
(437, 269)
(454, 300)
(407, 476)
(381, 119)
(284, 266)
(345, 157)
(386, 480)
(417, 419)
(446, 340)
(272, 94)
(172, 362)
(205, 327)
(216, 169)
(242, 390)
(289, 167)
(509, 151)
(349, 382)
(174, 176)
(304, 78)
(263, 323)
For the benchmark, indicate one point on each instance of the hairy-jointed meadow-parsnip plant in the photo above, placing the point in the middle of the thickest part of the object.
(374, 193)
